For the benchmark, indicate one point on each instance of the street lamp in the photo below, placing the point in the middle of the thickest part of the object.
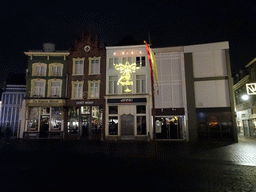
(245, 97)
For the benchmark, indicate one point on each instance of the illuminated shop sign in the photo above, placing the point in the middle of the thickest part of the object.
(128, 100)
(251, 88)
(84, 102)
(126, 71)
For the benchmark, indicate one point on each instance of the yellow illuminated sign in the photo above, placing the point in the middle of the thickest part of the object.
(126, 70)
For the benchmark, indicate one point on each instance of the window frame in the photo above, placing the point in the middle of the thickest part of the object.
(141, 83)
(42, 72)
(90, 65)
(32, 89)
(114, 83)
(90, 87)
(73, 83)
(74, 66)
(51, 71)
(50, 87)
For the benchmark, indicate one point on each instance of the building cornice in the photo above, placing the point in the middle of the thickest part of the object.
(240, 83)
(47, 54)
(251, 62)
(126, 47)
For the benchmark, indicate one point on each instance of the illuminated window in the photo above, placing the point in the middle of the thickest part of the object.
(140, 84)
(78, 66)
(94, 65)
(140, 61)
(39, 69)
(94, 89)
(113, 84)
(77, 89)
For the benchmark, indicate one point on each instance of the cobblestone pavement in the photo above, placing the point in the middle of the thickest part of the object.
(112, 166)
(241, 153)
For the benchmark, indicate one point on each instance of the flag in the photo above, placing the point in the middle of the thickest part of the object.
(152, 62)
(154, 65)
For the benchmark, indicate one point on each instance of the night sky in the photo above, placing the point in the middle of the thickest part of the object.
(27, 25)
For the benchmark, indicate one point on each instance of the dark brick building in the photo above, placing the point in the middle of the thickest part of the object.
(86, 89)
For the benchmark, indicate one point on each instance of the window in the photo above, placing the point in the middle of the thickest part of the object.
(113, 125)
(141, 119)
(94, 65)
(113, 84)
(94, 89)
(140, 61)
(77, 89)
(112, 61)
(56, 89)
(38, 88)
(140, 84)
(56, 120)
(141, 109)
(113, 110)
(78, 66)
(39, 69)
(55, 69)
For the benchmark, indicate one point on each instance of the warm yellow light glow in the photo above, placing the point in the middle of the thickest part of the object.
(126, 70)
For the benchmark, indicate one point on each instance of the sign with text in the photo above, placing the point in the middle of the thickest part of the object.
(128, 100)
(251, 88)
(84, 102)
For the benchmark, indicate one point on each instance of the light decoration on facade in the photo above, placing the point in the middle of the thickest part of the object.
(251, 88)
(126, 71)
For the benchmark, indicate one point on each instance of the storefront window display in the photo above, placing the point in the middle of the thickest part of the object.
(33, 119)
(96, 120)
(113, 125)
(73, 120)
(168, 128)
(56, 120)
(141, 120)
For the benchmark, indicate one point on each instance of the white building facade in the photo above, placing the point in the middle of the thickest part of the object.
(193, 97)
(128, 94)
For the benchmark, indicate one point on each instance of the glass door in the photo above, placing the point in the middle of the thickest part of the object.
(44, 126)
(85, 125)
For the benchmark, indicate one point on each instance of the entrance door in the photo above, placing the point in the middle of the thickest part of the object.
(85, 124)
(127, 125)
(44, 126)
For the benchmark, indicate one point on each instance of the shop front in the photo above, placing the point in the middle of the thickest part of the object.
(85, 120)
(44, 119)
(170, 124)
(128, 118)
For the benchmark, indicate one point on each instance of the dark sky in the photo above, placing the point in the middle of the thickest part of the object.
(27, 25)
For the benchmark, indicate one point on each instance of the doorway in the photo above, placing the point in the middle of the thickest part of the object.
(44, 126)
(169, 127)
(85, 124)
(127, 125)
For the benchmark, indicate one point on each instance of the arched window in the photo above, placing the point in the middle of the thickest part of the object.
(55, 69)
(39, 69)
(37, 88)
(54, 87)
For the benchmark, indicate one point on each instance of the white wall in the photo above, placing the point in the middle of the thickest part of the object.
(212, 94)
(209, 64)
(171, 85)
